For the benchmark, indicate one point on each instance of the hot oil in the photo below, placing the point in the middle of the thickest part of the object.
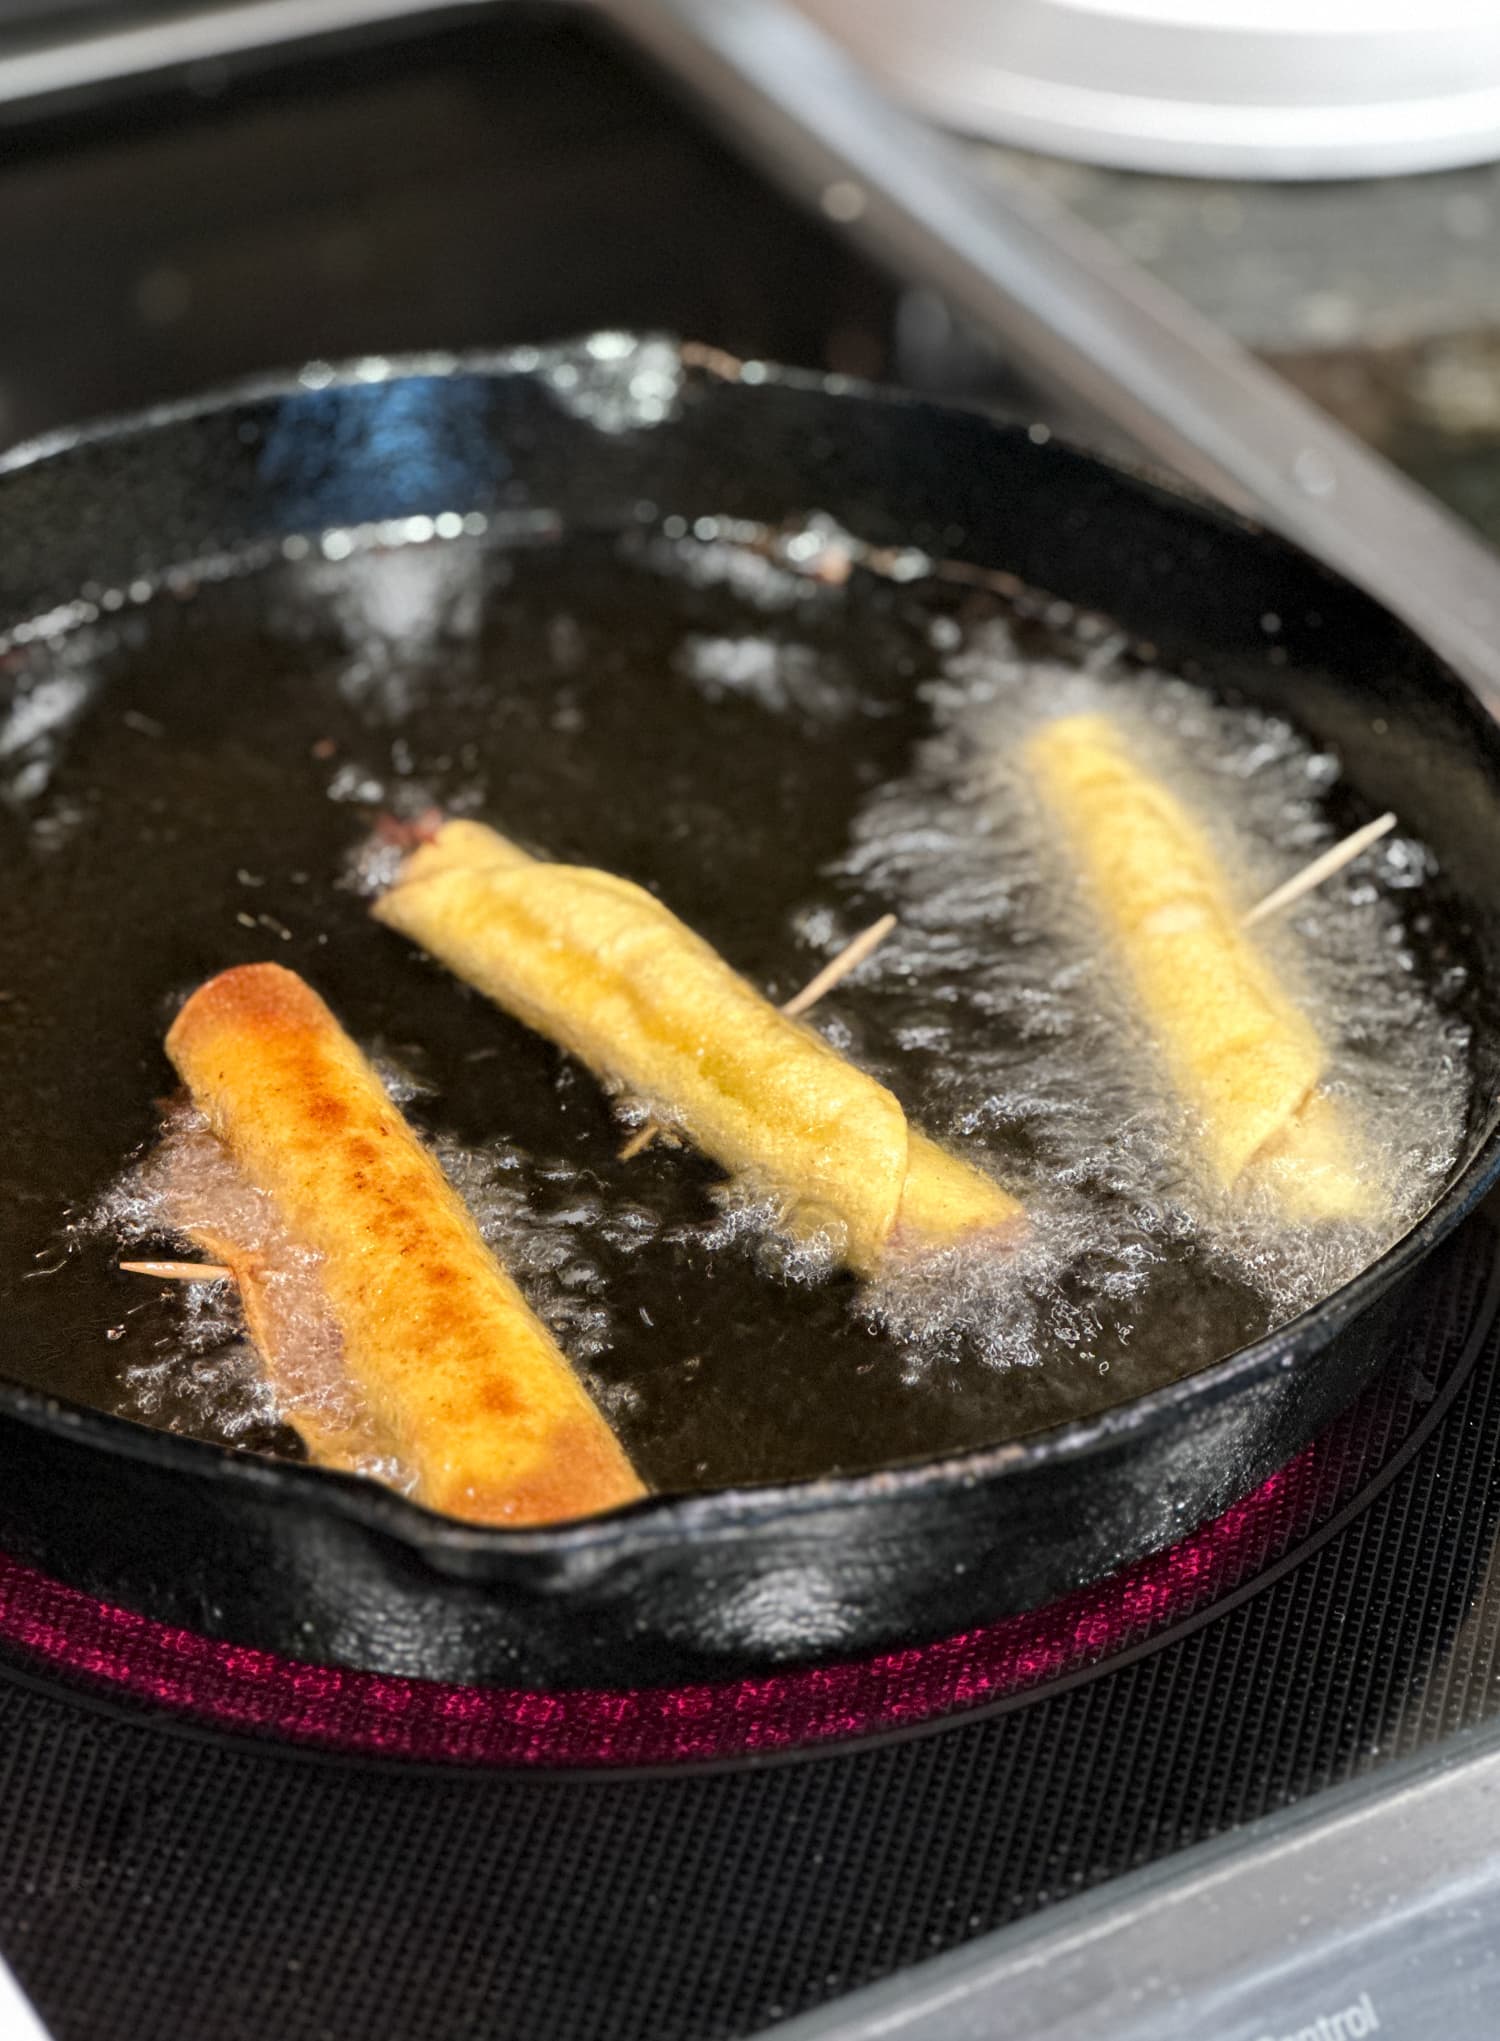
(782, 755)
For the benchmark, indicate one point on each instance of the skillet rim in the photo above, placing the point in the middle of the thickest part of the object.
(658, 1522)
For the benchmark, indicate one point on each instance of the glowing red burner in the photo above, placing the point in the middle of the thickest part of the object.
(258, 1692)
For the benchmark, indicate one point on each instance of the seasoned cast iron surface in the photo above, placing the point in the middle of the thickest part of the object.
(201, 803)
(191, 803)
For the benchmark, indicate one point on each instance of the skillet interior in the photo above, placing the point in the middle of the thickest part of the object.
(190, 787)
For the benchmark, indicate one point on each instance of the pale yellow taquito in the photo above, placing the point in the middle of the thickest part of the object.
(604, 969)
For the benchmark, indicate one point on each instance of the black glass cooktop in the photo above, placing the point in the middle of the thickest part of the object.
(157, 1878)
(513, 176)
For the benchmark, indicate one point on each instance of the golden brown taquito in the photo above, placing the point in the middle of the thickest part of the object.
(462, 1378)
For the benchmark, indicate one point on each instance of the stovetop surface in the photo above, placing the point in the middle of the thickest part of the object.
(513, 179)
(158, 1878)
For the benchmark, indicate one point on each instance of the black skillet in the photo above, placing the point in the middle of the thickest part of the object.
(180, 801)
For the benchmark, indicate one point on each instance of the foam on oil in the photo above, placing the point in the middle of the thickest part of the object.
(1005, 983)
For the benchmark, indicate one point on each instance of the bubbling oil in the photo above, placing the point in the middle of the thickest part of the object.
(1032, 1032)
(783, 744)
(186, 1185)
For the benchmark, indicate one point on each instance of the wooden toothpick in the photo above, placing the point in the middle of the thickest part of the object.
(179, 1271)
(849, 958)
(1322, 867)
(641, 1139)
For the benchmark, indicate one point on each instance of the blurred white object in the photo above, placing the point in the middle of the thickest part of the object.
(17, 2021)
(1220, 88)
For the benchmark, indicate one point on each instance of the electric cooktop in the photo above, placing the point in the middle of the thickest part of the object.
(1248, 1790)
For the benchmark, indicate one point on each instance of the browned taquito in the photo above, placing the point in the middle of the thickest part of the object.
(610, 973)
(471, 1390)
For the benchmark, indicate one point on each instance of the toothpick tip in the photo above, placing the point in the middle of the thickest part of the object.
(179, 1271)
(1321, 868)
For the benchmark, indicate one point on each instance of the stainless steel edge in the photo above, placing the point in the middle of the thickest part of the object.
(1382, 1896)
(80, 57)
(1079, 316)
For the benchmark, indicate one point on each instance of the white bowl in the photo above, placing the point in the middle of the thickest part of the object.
(1221, 88)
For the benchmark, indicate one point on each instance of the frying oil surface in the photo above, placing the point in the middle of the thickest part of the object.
(782, 758)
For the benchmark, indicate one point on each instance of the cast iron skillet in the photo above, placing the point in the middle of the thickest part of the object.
(604, 437)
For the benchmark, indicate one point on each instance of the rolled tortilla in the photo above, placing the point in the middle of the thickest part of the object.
(1244, 1059)
(466, 1383)
(613, 976)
